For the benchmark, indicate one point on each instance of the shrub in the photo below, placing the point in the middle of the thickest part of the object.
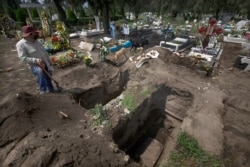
(11, 13)
(21, 15)
(34, 13)
(71, 17)
(99, 114)
(129, 102)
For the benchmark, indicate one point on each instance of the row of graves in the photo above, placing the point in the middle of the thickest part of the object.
(206, 48)
(239, 33)
(58, 45)
(207, 51)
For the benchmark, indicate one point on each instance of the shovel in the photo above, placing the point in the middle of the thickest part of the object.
(59, 89)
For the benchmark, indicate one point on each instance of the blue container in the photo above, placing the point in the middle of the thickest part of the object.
(115, 48)
(127, 44)
(228, 27)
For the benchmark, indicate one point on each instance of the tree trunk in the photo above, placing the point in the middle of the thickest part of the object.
(159, 10)
(13, 4)
(61, 12)
(105, 10)
(174, 13)
(217, 14)
(123, 13)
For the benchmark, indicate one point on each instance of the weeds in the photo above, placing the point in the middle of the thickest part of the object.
(129, 102)
(146, 92)
(99, 114)
(190, 154)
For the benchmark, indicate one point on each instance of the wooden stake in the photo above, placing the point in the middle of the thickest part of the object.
(173, 115)
(63, 114)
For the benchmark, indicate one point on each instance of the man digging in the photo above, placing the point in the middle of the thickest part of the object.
(32, 52)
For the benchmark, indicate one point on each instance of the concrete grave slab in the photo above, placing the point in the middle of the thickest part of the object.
(86, 46)
(152, 151)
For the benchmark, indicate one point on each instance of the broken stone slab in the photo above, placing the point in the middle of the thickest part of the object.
(152, 151)
(74, 35)
(233, 39)
(86, 46)
(246, 60)
(91, 32)
(205, 56)
(245, 47)
(176, 44)
(152, 54)
(141, 62)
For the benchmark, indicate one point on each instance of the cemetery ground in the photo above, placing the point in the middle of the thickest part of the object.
(120, 115)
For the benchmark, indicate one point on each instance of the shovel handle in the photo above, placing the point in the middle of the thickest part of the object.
(48, 74)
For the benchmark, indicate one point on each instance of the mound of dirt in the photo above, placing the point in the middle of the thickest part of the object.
(35, 132)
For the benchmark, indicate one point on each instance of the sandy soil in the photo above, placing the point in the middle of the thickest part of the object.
(215, 110)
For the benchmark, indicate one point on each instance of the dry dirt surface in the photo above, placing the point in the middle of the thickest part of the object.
(170, 95)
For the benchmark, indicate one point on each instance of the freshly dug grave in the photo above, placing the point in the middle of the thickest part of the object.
(170, 95)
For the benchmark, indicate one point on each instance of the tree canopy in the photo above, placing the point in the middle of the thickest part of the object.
(108, 9)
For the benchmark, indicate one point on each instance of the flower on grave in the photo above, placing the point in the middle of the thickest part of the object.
(71, 53)
(62, 35)
(246, 35)
(53, 59)
(87, 59)
(56, 39)
(103, 52)
(211, 28)
(61, 59)
(102, 46)
(53, 43)
(51, 46)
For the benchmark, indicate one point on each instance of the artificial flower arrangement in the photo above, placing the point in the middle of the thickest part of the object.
(102, 46)
(61, 32)
(88, 59)
(53, 44)
(247, 35)
(58, 41)
(65, 58)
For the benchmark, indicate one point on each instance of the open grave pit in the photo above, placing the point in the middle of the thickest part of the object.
(157, 108)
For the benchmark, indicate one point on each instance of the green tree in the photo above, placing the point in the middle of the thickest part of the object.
(61, 12)
(71, 17)
(244, 7)
(21, 15)
(34, 13)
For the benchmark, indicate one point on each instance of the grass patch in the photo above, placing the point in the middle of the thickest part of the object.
(147, 92)
(128, 102)
(132, 97)
(190, 154)
(99, 114)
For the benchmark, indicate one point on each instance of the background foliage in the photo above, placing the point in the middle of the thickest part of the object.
(70, 11)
